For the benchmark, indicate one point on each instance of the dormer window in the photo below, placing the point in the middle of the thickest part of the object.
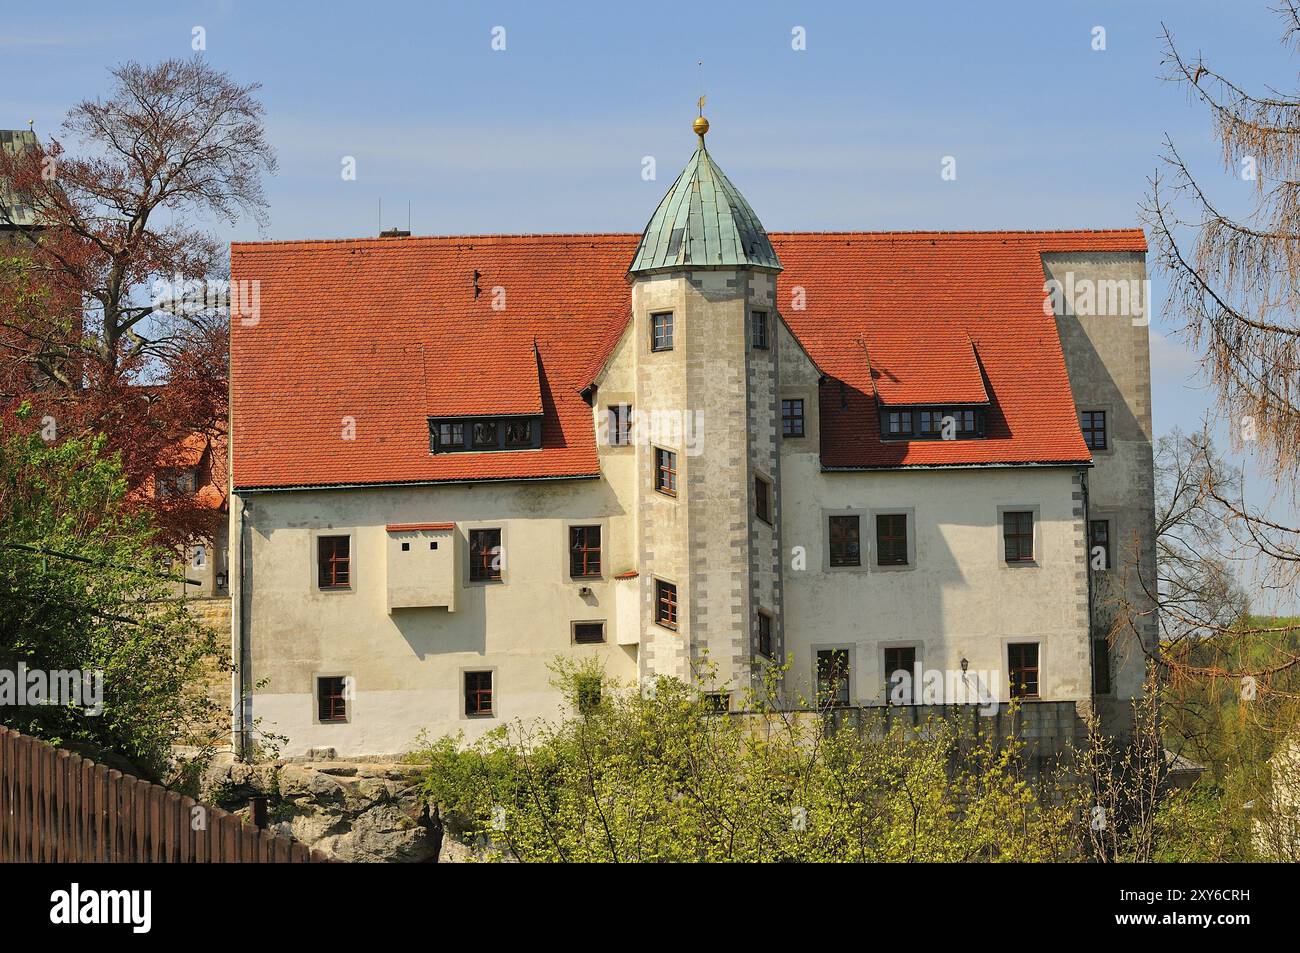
(170, 483)
(485, 433)
(451, 436)
(932, 423)
(900, 423)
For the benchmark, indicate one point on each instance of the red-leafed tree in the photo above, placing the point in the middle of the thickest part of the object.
(113, 305)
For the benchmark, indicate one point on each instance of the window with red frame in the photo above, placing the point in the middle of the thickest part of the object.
(478, 693)
(665, 604)
(665, 471)
(1022, 662)
(331, 699)
(584, 551)
(485, 555)
(334, 562)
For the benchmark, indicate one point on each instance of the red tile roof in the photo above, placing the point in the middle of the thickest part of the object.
(358, 340)
(890, 296)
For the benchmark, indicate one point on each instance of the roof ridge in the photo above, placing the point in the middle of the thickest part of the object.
(481, 238)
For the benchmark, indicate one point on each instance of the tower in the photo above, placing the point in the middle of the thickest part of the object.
(703, 284)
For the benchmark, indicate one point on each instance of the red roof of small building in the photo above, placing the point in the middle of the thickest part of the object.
(358, 341)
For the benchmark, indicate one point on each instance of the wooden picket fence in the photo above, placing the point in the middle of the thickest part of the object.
(57, 807)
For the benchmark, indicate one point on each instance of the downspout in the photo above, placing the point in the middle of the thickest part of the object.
(1087, 569)
(243, 702)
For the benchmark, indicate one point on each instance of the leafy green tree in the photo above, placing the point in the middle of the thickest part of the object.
(83, 588)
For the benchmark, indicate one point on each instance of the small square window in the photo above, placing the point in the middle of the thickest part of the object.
(718, 702)
(478, 694)
(665, 604)
(758, 329)
(588, 633)
(519, 433)
(845, 542)
(900, 422)
(450, 437)
(433, 544)
(331, 699)
(406, 547)
(665, 471)
(792, 418)
(661, 331)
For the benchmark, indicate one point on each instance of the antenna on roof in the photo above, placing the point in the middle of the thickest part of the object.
(408, 216)
(30, 124)
(381, 213)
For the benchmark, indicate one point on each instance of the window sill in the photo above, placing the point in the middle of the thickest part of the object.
(670, 626)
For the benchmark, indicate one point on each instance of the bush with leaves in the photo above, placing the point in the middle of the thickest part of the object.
(658, 775)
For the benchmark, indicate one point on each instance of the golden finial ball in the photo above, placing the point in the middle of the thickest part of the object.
(701, 126)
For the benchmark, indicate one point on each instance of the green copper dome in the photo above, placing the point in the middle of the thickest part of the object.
(703, 222)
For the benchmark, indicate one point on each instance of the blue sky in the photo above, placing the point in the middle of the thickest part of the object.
(549, 134)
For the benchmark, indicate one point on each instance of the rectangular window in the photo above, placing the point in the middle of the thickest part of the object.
(1101, 666)
(588, 633)
(845, 543)
(478, 693)
(620, 425)
(965, 421)
(758, 329)
(331, 699)
(1018, 536)
(451, 436)
(333, 562)
(485, 434)
(1022, 663)
(1093, 425)
(891, 539)
(661, 331)
(666, 471)
(931, 422)
(718, 702)
(900, 422)
(1099, 544)
(763, 500)
(665, 604)
(792, 418)
(764, 635)
(898, 691)
(833, 677)
(584, 551)
(485, 555)
(519, 433)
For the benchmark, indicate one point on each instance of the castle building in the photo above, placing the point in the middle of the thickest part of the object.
(696, 451)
